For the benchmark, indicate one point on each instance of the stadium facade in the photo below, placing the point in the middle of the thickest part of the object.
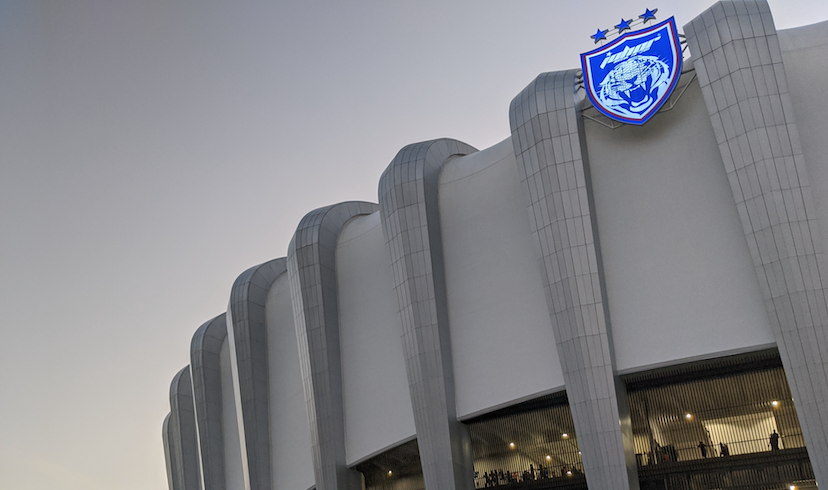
(586, 303)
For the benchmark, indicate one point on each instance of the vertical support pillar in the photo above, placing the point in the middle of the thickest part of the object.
(170, 453)
(739, 65)
(547, 135)
(205, 366)
(408, 192)
(247, 332)
(183, 437)
(311, 265)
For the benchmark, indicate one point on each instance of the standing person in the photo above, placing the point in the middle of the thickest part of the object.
(774, 441)
(655, 451)
(703, 449)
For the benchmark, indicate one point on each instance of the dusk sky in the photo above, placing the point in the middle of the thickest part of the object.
(152, 150)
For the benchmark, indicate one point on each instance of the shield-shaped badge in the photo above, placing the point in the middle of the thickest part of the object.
(630, 78)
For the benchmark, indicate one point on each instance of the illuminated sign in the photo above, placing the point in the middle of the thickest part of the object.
(630, 78)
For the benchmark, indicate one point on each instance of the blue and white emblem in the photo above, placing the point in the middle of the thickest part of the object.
(630, 78)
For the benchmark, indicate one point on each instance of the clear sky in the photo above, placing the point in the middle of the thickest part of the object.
(152, 150)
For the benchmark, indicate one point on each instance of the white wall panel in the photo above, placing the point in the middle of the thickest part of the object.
(233, 471)
(290, 440)
(376, 398)
(680, 282)
(805, 55)
(503, 347)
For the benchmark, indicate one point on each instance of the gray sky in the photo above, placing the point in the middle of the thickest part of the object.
(150, 151)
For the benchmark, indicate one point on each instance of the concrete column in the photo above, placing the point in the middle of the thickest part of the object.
(739, 65)
(311, 265)
(205, 367)
(183, 441)
(247, 333)
(408, 192)
(547, 135)
(170, 453)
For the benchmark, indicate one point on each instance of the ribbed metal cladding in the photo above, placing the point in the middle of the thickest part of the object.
(739, 63)
(247, 333)
(408, 192)
(311, 266)
(205, 350)
(183, 438)
(548, 138)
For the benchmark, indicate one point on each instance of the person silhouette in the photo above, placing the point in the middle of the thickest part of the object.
(774, 441)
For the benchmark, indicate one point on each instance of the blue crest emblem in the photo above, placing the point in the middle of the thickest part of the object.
(630, 78)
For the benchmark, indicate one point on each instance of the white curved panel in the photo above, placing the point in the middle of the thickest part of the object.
(503, 346)
(290, 441)
(680, 281)
(376, 398)
(233, 471)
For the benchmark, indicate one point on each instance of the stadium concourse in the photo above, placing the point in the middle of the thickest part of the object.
(592, 302)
